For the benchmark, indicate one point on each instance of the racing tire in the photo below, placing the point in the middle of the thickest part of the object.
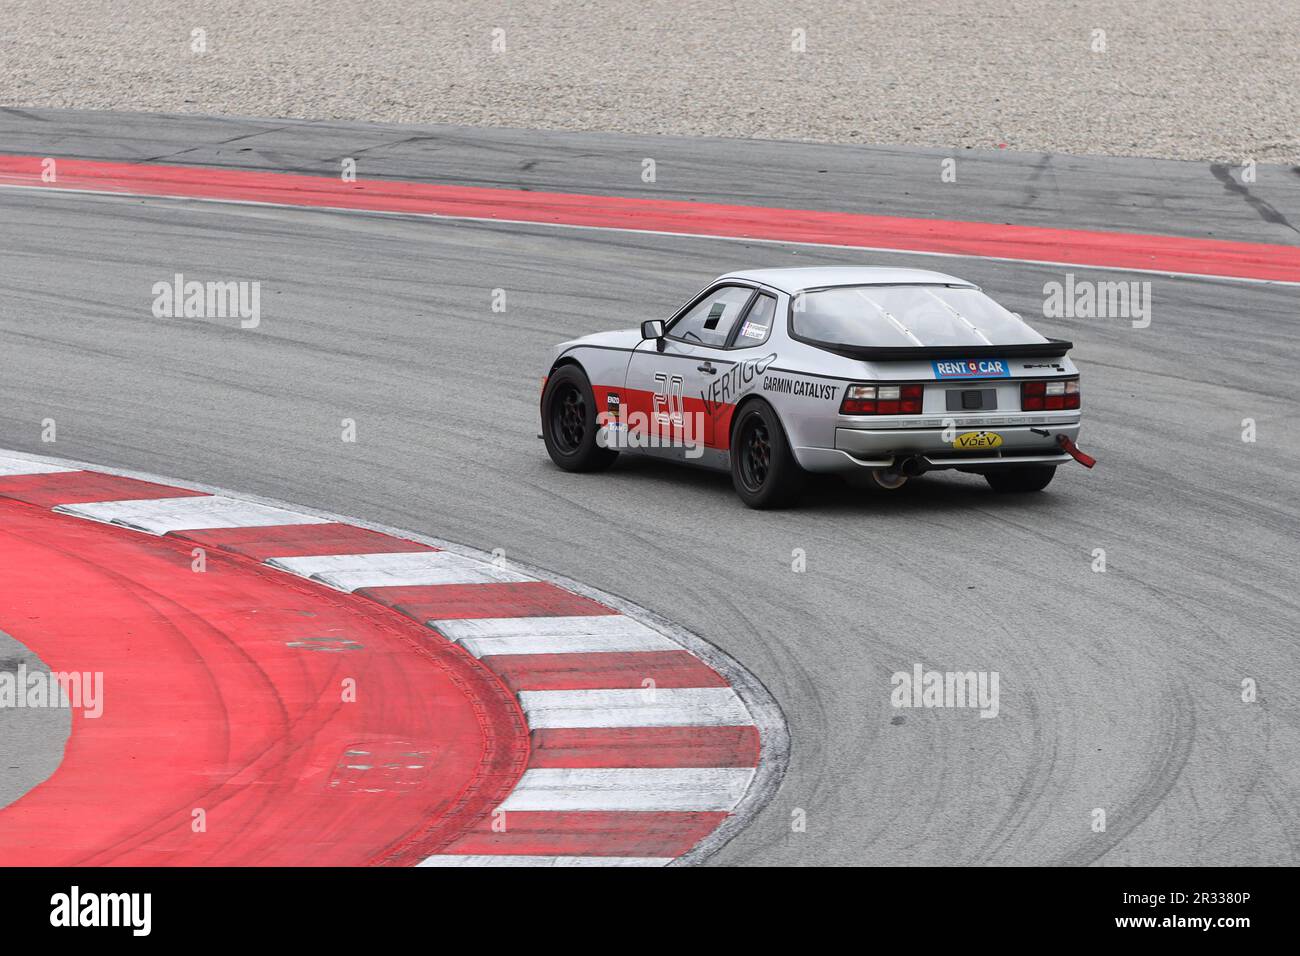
(569, 422)
(763, 469)
(1022, 479)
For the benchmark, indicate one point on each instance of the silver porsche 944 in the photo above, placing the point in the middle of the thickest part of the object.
(774, 373)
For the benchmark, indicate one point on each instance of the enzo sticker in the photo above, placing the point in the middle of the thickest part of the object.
(971, 368)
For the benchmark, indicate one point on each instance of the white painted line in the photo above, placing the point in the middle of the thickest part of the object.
(593, 634)
(629, 789)
(509, 860)
(161, 515)
(885, 250)
(348, 572)
(637, 707)
(21, 466)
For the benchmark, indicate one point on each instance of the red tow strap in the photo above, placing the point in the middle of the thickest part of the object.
(1072, 449)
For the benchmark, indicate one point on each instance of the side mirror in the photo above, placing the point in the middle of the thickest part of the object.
(654, 329)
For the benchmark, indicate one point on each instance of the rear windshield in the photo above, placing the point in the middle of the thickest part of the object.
(906, 316)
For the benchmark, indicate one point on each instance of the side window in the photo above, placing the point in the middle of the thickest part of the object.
(711, 320)
(757, 325)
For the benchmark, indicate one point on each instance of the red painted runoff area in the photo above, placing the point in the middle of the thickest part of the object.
(248, 717)
(1117, 250)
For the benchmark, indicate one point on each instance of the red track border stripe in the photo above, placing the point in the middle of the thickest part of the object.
(543, 833)
(645, 747)
(1118, 250)
(79, 487)
(445, 602)
(603, 671)
(299, 540)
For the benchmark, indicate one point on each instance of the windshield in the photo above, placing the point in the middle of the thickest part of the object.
(906, 316)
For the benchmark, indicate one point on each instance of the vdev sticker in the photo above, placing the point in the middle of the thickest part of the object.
(977, 441)
(972, 368)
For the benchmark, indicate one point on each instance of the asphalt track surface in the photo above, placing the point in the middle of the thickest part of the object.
(1119, 690)
(31, 739)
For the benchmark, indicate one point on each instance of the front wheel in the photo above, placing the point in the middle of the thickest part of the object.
(1022, 479)
(763, 469)
(569, 422)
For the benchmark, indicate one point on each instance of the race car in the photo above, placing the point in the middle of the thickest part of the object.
(774, 373)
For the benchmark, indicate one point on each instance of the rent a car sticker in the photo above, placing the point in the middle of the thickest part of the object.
(971, 368)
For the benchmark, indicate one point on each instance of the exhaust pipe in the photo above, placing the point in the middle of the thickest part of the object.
(913, 466)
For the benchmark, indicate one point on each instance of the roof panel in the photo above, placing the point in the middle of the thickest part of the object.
(797, 278)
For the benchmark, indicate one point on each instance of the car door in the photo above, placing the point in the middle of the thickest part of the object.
(749, 353)
(665, 392)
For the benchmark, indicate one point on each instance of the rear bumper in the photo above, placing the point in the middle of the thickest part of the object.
(884, 447)
(988, 462)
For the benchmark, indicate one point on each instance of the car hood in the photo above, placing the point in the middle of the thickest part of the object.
(620, 339)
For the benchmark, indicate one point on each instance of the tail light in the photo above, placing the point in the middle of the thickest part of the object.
(881, 400)
(1044, 396)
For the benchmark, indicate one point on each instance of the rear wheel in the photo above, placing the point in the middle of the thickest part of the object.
(763, 469)
(1022, 479)
(569, 422)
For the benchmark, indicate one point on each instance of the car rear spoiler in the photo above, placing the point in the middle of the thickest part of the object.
(1052, 348)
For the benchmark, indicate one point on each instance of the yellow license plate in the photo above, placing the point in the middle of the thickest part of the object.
(977, 441)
